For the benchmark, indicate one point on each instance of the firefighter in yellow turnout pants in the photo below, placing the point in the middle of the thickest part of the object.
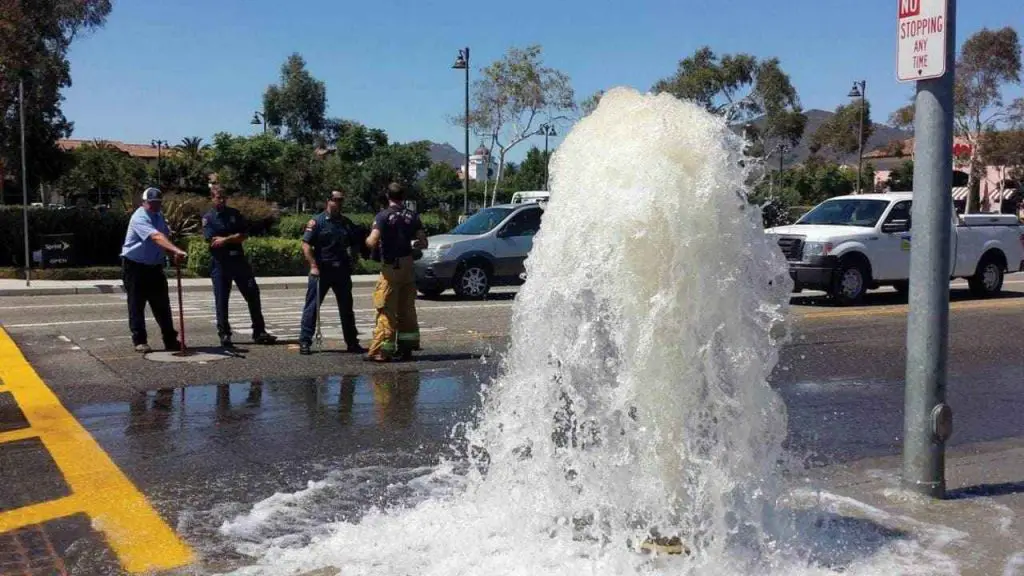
(397, 231)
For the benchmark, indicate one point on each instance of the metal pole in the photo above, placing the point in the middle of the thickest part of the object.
(860, 136)
(24, 181)
(546, 158)
(465, 193)
(159, 173)
(928, 419)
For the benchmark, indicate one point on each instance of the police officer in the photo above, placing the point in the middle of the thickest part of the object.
(142, 271)
(397, 231)
(330, 245)
(225, 229)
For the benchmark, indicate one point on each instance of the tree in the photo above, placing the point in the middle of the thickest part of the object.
(531, 171)
(744, 90)
(901, 178)
(590, 104)
(441, 184)
(102, 172)
(35, 37)
(989, 61)
(189, 164)
(298, 104)
(400, 163)
(353, 142)
(1006, 149)
(512, 97)
(838, 135)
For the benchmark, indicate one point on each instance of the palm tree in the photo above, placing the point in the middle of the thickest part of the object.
(193, 162)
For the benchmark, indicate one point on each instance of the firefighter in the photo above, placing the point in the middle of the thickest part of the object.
(397, 232)
(330, 245)
(225, 229)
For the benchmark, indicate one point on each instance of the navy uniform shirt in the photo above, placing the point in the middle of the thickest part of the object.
(224, 223)
(398, 227)
(332, 239)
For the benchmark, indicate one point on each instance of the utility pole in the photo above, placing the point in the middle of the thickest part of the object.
(24, 179)
(928, 420)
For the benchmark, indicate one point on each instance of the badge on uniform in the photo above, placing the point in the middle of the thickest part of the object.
(310, 225)
(205, 221)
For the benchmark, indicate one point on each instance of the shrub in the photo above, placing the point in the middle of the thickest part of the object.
(267, 256)
(292, 226)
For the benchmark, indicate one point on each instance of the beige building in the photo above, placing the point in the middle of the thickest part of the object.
(997, 195)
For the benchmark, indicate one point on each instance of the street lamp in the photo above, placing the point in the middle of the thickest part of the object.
(860, 90)
(257, 119)
(24, 179)
(462, 63)
(547, 130)
(159, 145)
(782, 148)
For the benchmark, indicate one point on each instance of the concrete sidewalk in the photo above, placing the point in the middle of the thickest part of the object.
(978, 526)
(70, 287)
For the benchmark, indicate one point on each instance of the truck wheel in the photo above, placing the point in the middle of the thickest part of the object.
(988, 280)
(473, 281)
(850, 283)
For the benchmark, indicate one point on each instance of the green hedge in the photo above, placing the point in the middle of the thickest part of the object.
(268, 257)
(293, 225)
(94, 273)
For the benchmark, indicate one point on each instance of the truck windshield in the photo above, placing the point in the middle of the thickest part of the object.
(482, 222)
(847, 212)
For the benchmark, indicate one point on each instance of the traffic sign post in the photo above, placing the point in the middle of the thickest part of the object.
(922, 28)
(928, 420)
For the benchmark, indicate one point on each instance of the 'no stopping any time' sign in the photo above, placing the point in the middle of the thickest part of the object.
(921, 40)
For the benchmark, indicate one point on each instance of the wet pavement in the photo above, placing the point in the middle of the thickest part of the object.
(271, 447)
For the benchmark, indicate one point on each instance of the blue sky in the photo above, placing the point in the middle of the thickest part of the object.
(174, 68)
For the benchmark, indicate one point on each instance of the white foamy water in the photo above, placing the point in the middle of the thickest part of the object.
(633, 397)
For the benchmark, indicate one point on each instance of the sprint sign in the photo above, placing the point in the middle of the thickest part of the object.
(921, 40)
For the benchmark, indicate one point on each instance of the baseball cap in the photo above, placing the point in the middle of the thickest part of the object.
(151, 195)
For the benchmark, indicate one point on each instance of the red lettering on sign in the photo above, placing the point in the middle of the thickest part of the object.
(921, 61)
(910, 8)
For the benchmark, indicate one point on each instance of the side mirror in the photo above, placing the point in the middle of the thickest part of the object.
(896, 226)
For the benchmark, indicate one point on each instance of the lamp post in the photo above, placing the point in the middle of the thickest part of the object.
(547, 130)
(860, 90)
(462, 63)
(24, 180)
(159, 145)
(783, 148)
(259, 118)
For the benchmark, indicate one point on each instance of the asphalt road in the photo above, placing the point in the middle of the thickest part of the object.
(205, 442)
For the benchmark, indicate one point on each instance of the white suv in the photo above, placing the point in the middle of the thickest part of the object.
(486, 250)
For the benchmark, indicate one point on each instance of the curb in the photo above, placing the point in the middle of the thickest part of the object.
(119, 289)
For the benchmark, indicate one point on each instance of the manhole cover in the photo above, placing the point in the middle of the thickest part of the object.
(192, 357)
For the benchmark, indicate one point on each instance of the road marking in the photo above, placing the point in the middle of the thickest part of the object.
(135, 532)
(902, 310)
(198, 316)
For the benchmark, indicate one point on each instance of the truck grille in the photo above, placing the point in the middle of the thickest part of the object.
(792, 247)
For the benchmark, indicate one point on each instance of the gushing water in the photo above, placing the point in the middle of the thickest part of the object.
(633, 400)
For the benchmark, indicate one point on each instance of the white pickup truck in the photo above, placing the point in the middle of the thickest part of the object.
(850, 244)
